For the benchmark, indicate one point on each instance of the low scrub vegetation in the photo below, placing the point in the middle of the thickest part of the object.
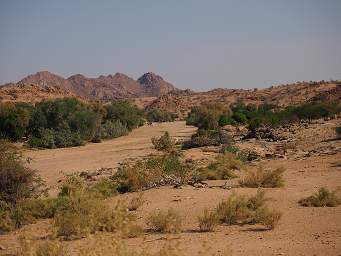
(67, 122)
(239, 210)
(165, 221)
(211, 117)
(204, 138)
(263, 178)
(323, 198)
(208, 221)
(158, 115)
(164, 143)
(136, 202)
(150, 172)
(222, 168)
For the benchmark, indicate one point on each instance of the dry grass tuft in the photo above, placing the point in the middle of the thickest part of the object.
(263, 178)
(223, 168)
(240, 210)
(136, 202)
(165, 221)
(208, 221)
(323, 198)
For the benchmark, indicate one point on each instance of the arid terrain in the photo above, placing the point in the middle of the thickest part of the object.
(312, 159)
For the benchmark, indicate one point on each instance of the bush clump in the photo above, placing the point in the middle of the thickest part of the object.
(323, 198)
(239, 210)
(263, 178)
(165, 221)
(67, 122)
(164, 143)
(208, 221)
(158, 115)
(151, 172)
(17, 182)
(207, 138)
(136, 202)
(222, 168)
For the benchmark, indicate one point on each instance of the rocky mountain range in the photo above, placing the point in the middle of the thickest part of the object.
(108, 87)
(152, 91)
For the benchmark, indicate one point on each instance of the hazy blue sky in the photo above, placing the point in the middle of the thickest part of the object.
(193, 44)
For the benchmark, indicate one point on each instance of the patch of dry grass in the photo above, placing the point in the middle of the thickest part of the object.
(165, 221)
(263, 178)
(136, 202)
(208, 221)
(323, 198)
(222, 168)
(240, 210)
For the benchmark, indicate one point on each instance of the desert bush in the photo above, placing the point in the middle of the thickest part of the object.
(105, 187)
(14, 120)
(207, 117)
(44, 207)
(149, 172)
(136, 202)
(264, 178)
(164, 143)
(222, 168)
(67, 122)
(111, 129)
(30, 246)
(88, 213)
(239, 210)
(231, 148)
(165, 221)
(208, 221)
(125, 112)
(323, 198)
(17, 181)
(207, 138)
(158, 115)
(268, 218)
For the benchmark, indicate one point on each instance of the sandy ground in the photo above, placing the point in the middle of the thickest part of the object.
(52, 164)
(301, 231)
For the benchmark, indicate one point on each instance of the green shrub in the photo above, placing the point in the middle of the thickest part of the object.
(165, 221)
(105, 187)
(208, 221)
(223, 168)
(323, 198)
(158, 115)
(207, 117)
(164, 143)
(263, 178)
(88, 213)
(14, 119)
(17, 181)
(207, 138)
(128, 115)
(112, 129)
(149, 172)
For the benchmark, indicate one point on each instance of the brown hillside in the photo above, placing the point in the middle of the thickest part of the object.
(109, 87)
(32, 93)
(283, 95)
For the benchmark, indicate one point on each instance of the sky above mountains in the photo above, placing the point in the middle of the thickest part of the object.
(191, 43)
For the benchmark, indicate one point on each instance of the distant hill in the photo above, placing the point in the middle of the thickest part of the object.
(152, 91)
(181, 102)
(109, 87)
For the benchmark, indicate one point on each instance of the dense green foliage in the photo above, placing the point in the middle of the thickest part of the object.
(67, 122)
(158, 115)
(211, 117)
